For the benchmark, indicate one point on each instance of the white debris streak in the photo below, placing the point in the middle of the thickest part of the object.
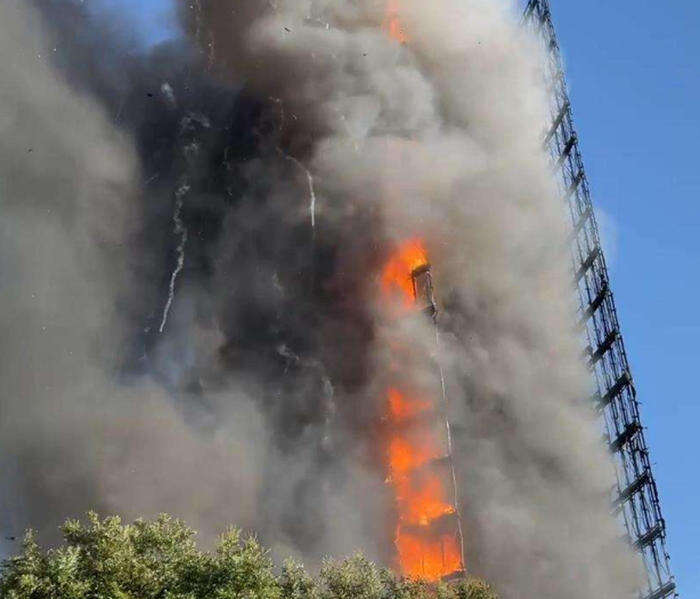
(310, 180)
(180, 230)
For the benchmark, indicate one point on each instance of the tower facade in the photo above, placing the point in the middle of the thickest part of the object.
(635, 497)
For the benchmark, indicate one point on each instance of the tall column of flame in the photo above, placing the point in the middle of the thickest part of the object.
(425, 550)
(421, 494)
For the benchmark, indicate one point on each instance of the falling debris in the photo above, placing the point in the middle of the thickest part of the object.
(169, 95)
(151, 179)
(181, 230)
(310, 182)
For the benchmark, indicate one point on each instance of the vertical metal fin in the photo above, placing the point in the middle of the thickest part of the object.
(425, 298)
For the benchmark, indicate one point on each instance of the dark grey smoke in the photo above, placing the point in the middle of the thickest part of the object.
(178, 337)
(227, 415)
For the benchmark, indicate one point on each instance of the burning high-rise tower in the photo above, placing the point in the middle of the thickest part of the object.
(235, 249)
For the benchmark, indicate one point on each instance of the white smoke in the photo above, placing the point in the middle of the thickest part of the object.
(72, 437)
(441, 137)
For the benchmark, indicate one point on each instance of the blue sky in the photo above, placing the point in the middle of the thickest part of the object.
(633, 74)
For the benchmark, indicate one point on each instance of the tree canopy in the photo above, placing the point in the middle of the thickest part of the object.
(159, 559)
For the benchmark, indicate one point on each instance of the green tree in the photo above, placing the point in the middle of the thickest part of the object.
(159, 559)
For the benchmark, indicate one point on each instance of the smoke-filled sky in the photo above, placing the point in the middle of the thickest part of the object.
(190, 245)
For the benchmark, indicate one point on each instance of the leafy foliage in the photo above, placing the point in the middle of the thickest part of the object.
(105, 559)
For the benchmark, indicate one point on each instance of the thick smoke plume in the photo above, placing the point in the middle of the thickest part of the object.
(177, 336)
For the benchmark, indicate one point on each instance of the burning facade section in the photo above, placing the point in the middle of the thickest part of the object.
(428, 534)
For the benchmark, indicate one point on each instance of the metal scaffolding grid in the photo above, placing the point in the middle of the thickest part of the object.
(635, 498)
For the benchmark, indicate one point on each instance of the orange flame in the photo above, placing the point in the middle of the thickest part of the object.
(405, 456)
(396, 276)
(425, 503)
(421, 496)
(428, 559)
(392, 23)
(403, 408)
